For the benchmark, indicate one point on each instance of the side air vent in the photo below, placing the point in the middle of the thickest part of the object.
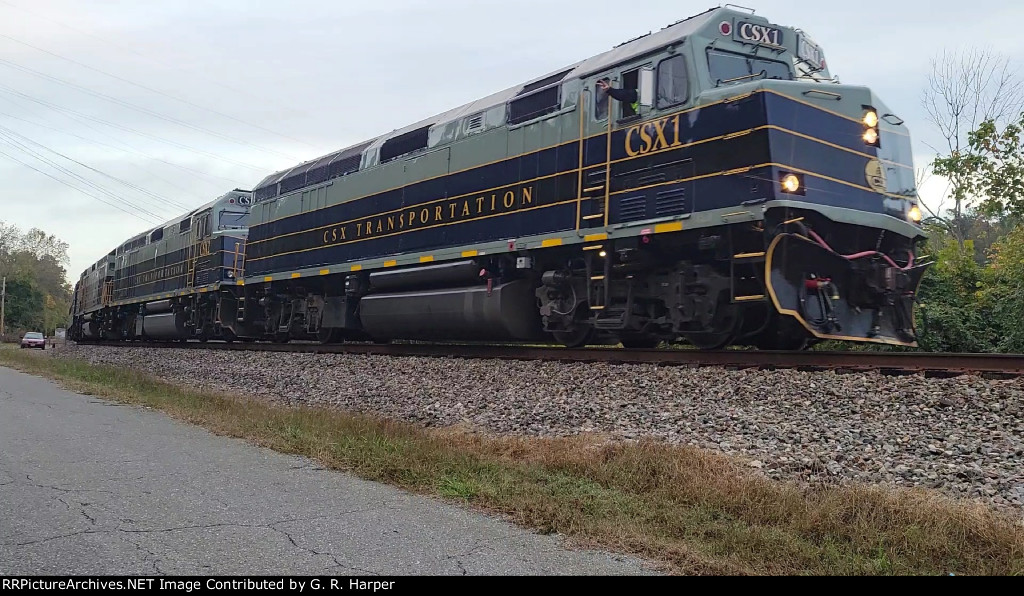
(633, 208)
(475, 123)
(671, 202)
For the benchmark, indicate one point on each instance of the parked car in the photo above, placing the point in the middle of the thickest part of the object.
(33, 339)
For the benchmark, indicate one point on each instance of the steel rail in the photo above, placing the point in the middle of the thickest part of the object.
(942, 364)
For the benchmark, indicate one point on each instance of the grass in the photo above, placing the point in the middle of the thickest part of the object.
(693, 511)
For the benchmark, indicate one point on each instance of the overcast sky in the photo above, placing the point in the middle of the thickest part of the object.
(231, 91)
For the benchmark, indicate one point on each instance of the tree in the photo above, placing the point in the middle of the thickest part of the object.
(966, 89)
(38, 293)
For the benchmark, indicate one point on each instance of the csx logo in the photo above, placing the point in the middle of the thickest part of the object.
(759, 34)
(653, 136)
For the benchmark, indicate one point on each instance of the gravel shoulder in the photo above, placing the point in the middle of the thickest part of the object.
(963, 435)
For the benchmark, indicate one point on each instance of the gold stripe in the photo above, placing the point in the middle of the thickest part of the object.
(240, 282)
(566, 202)
(735, 213)
(390, 263)
(595, 237)
(426, 259)
(673, 226)
(594, 188)
(597, 278)
(748, 255)
(598, 247)
(794, 220)
(401, 209)
(470, 253)
(296, 275)
(593, 216)
(551, 242)
(325, 272)
(356, 268)
(748, 298)
(268, 278)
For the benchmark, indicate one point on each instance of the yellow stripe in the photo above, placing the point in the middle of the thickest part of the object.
(426, 259)
(595, 237)
(391, 263)
(598, 247)
(749, 298)
(356, 268)
(470, 253)
(268, 278)
(551, 242)
(325, 272)
(566, 202)
(748, 255)
(296, 275)
(240, 282)
(673, 226)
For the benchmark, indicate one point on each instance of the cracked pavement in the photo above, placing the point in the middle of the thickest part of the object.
(91, 489)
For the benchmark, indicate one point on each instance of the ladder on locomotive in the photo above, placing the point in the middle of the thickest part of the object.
(195, 239)
(593, 182)
(594, 185)
(238, 267)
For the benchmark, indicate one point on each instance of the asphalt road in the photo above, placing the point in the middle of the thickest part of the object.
(91, 487)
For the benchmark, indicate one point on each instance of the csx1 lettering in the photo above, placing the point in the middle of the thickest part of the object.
(653, 136)
(760, 34)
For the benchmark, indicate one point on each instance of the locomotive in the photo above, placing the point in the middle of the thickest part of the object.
(732, 192)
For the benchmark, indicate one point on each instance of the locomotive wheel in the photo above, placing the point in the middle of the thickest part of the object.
(784, 333)
(727, 324)
(577, 338)
(328, 336)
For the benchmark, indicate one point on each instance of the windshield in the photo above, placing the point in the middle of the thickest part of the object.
(727, 68)
(33, 336)
(233, 220)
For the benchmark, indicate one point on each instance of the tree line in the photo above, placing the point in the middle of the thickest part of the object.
(972, 298)
(38, 294)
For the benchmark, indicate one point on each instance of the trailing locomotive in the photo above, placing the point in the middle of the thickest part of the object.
(742, 198)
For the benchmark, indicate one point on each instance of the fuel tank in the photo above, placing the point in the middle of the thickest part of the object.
(163, 326)
(506, 312)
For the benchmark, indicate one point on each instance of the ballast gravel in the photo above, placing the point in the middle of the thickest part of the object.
(962, 435)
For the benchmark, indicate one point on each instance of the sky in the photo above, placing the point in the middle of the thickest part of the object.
(165, 105)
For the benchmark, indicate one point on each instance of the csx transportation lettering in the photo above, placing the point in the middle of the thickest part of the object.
(652, 136)
(759, 34)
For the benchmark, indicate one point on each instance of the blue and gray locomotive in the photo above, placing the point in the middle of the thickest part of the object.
(707, 183)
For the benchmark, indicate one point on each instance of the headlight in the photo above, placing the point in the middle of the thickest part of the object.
(871, 119)
(871, 136)
(915, 214)
(791, 183)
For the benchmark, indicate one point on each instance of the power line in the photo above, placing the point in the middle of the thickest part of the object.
(141, 109)
(121, 149)
(162, 63)
(168, 200)
(62, 169)
(6, 89)
(157, 91)
(79, 189)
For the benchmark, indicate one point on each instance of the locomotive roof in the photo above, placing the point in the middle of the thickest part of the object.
(621, 53)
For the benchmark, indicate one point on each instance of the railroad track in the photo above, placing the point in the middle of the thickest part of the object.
(932, 364)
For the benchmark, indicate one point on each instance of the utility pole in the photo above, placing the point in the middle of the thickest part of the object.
(3, 302)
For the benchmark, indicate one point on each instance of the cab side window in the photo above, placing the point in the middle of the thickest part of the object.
(673, 82)
(600, 103)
